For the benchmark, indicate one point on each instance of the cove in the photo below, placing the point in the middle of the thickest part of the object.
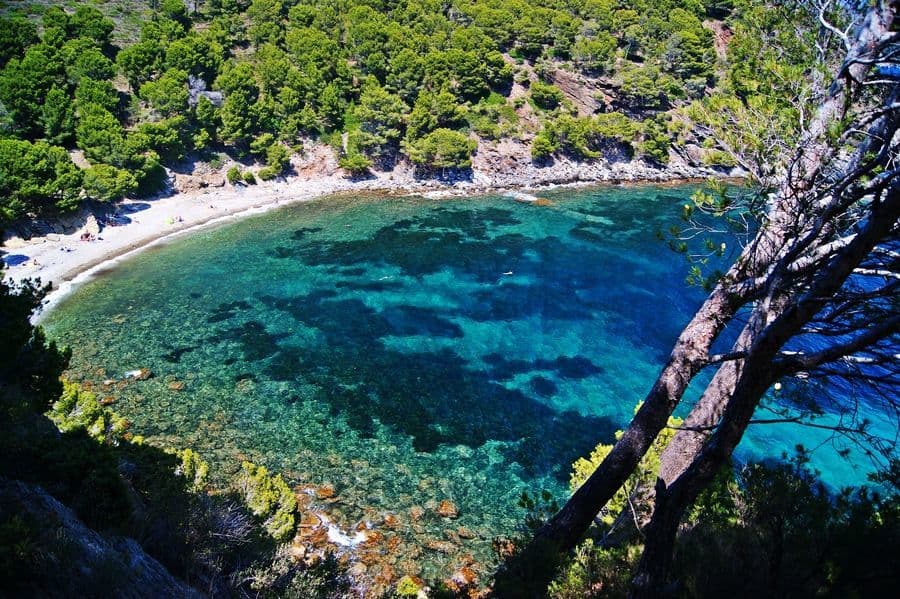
(404, 351)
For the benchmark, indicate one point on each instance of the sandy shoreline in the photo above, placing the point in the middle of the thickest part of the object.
(64, 261)
(61, 258)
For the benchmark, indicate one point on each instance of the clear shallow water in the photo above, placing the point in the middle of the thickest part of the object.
(404, 351)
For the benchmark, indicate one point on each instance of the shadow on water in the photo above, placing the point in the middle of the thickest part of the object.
(435, 397)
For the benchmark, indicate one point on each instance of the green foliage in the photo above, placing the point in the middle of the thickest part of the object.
(544, 145)
(655, 142)
(30, 366)
(269, 498)
(648, 87)
(206, 119)
(493, 117)
(276, 154)
(100, 134)
(265, 21)
(100, 93)
(168, 94)
(36, 178)
(88, 22)
(84, 60)
(248, 178)
(194, 470)
(139, 61)
(583, 137)
(355, 163)
(260, 145)
(25, 82)
(107, 183)
(381, 117)
(546, 96)
(58, 117)
(163, 137)
(233, 175)
(196, 54)
(79, 409)
(643, 477)
(762, 530)
(443, 149)
(16, 34)
(432, 111)
(267, 173)
(595, 572)
(594, 54)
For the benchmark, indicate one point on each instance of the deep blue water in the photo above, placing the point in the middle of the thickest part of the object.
(405, 350)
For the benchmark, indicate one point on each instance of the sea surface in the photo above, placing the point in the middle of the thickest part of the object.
(406, 351)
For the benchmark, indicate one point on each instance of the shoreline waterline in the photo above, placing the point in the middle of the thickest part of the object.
(51, 261)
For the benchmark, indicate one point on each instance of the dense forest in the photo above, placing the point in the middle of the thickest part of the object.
(420, 81)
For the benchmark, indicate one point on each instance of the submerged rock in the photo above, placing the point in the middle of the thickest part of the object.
(464, 577)
(440, 546)
(141, 374)
(416, 513)
(391, 521)
(325, 492)
(447, 509)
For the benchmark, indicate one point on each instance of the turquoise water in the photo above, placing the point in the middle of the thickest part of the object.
(405, 351)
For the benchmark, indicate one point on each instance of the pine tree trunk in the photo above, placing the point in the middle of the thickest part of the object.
(653, 576)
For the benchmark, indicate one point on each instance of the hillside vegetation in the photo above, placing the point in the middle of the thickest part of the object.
(381, 81)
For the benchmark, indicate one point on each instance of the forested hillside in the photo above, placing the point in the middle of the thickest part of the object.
(381, 81)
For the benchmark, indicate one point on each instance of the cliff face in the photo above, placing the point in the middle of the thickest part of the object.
(53, 554)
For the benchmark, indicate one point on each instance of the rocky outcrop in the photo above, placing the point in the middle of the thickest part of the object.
(69, 559)
(186, 183)
(588, 95)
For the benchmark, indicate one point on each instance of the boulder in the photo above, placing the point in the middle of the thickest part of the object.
(416, 512)
(91, 225)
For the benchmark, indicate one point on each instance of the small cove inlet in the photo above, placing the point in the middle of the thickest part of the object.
(411, 365)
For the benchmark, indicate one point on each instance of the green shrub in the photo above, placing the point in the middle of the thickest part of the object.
(278, 157)
(546, 96)
(595, 572)
(194, 470)
(233, 175)
(643, 476)
(718, 158)
(260, 145)
(79, 409)
(543, 146)
(443, 148)
(248, 178)
(355, 163)
(655, 142)
(269, 498)
(584, 137)
(267, 173)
